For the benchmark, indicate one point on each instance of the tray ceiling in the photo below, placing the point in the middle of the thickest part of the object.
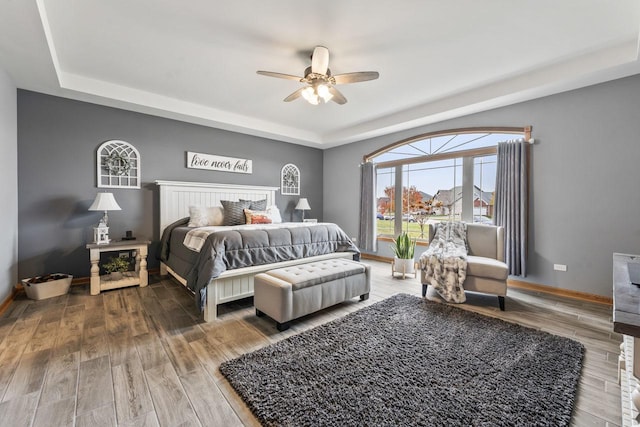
(196, 61)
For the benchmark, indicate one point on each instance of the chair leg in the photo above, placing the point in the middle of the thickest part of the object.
(424, 290)
(501, 303)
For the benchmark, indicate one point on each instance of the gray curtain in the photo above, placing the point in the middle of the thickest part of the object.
(367, 234)
(511, 202)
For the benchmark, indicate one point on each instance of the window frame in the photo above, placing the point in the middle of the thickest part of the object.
(467, 157)
(290, 180)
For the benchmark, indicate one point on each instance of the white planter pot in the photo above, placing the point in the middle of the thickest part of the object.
(51, 288)
(116, 275)
(404, 266)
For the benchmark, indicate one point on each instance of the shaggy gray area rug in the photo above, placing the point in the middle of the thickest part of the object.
(408, 361)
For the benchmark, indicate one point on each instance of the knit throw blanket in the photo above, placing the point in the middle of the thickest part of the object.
(445, 261)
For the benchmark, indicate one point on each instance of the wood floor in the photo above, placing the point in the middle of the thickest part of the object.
(142, 356)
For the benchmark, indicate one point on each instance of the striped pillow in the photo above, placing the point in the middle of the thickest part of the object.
(234, 211)
(256, 205)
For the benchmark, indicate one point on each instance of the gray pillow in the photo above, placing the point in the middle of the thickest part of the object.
(234, 211)
(257, 205)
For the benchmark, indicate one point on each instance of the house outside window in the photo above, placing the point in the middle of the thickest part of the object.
(437, 177)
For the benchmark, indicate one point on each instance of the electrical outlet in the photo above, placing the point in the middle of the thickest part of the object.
(559, 267)
(354, 239)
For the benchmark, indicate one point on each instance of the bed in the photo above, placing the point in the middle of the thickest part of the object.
(236, 281)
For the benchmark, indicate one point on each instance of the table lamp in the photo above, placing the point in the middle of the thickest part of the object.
(303, 205)
(103, 202)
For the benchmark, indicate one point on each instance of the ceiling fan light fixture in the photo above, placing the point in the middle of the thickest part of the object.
(321, 82)
(310, 95)
(316, 94)
(323, 92)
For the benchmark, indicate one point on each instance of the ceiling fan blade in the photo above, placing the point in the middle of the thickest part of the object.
(320, 60)
(279, 75)
(360, 76)
(337, 96)
(295, 95)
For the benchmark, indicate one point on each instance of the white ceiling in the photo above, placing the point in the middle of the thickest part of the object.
(196, 60)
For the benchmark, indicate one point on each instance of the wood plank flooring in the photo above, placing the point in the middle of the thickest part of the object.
(143, 356)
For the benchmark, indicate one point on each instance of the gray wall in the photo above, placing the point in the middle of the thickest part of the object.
(9, 187)
(585, 190)
(57, 143)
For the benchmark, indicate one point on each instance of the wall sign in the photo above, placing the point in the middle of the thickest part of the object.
(218, 163)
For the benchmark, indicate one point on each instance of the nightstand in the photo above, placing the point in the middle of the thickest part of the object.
(131, 278)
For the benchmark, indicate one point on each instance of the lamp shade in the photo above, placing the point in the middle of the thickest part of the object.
(303, 204)
(104, 202)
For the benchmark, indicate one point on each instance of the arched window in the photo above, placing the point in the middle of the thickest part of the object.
(438, 176)
(290, 180)
(118, 165)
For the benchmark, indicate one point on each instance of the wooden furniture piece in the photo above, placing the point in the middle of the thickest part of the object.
(138, 277)
(626, 320)
(404, 267)
(231, 285)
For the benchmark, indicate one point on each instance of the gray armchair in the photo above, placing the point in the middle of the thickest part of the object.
(486, 270)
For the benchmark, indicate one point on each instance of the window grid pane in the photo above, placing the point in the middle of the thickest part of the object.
(385, 193)
(484, 181)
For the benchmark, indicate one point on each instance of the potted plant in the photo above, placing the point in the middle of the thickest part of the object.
(404, 249)
(115, 267)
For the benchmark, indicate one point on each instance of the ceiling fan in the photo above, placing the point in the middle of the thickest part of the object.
(320, 83)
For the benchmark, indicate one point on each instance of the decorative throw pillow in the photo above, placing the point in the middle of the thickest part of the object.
(257, 217)
(274, 214)
(256, 205)
(200, 216)
(233, 211)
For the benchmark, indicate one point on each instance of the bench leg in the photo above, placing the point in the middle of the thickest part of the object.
(364, 297)
(501, 303)
(283, 326)
(424, 290)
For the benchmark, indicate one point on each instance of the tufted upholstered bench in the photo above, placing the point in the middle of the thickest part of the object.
(287, 293)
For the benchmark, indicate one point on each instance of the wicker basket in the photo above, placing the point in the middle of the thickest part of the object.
(48, 289)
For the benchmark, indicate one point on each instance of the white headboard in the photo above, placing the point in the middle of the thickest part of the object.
(176, 197)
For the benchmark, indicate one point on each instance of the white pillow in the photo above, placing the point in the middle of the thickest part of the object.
(274, 214)
(201, 216)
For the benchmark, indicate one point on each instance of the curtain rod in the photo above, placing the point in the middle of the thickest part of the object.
(530, 140)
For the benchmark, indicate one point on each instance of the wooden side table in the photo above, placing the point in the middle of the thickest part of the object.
(131, 278)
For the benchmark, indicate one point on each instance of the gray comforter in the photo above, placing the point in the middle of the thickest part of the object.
(227, 250)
